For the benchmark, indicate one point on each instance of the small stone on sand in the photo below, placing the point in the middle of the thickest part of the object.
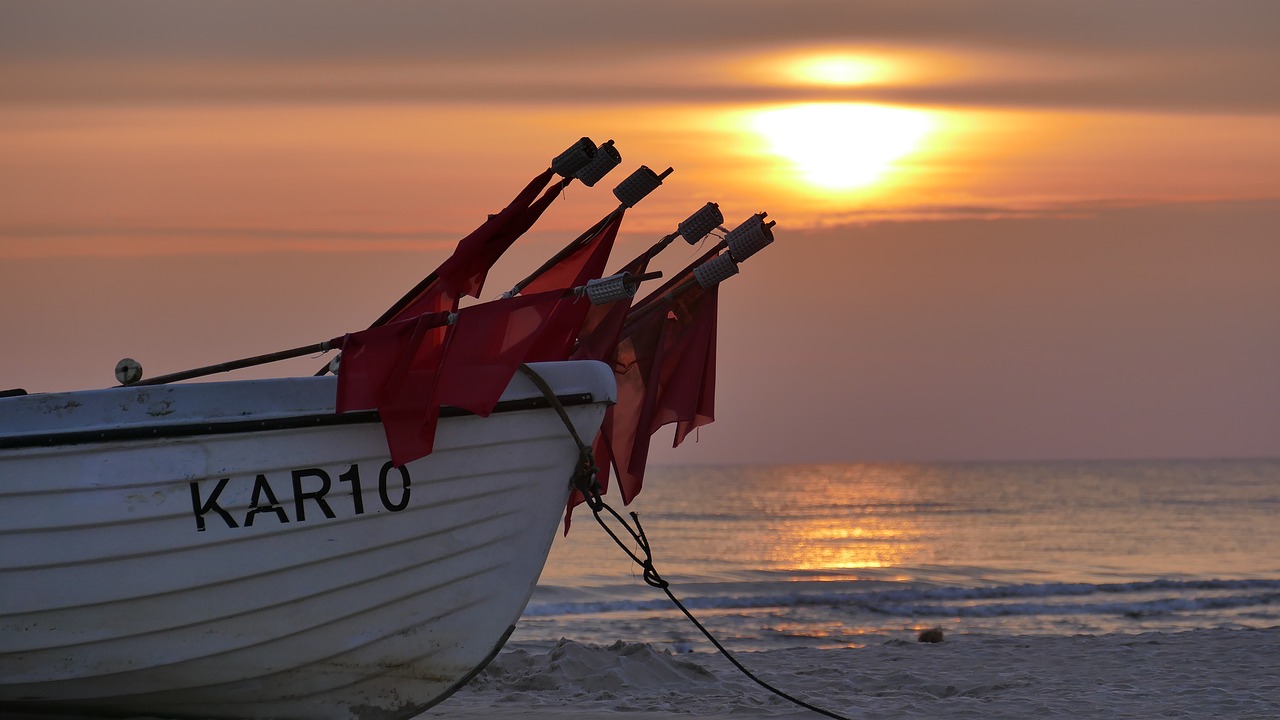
(932, 635)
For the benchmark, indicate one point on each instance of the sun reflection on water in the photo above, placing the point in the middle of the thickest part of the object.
(847, 544)
(843, 523)
(796, 524)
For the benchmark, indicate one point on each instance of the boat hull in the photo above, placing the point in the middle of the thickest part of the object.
(285, 572)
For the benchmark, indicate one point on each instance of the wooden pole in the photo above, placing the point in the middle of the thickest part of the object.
(320, 347)
(238, 364)
(564, 252)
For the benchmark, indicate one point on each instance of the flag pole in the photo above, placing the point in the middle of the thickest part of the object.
(600, 291)
(711, 267)
(564, 252)
(582, 160)
(693, 229)
(427, 282)
(229, 365)
(630, 191)
(670, 290)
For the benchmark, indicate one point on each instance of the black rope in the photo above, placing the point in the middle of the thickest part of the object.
(653, 579)
(584, 479)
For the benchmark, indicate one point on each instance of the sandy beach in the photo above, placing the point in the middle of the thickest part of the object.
(1196, 674)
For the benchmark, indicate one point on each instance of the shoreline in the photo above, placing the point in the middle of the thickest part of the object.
(1200, 673)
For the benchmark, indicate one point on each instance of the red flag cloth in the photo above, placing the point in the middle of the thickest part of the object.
(587, 262)
(665, 369)
(689, 384)
(408, 369)
(393, 369)
(464, 272)
(491, 340)
(598, 340)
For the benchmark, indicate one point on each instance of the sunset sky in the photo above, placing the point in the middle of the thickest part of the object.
(1006, 229)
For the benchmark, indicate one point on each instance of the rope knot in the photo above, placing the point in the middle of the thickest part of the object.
(651, 576)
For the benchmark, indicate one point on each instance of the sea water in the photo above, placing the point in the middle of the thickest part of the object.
(829, 556)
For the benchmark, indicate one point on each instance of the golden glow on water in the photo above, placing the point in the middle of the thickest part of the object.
(863, 522)
(840, 146)
(846, 544)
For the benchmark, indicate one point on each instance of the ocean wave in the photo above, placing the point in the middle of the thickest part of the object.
(1146, 608)
(993, 601)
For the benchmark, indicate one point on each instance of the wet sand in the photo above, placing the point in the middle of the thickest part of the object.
(1198, 674)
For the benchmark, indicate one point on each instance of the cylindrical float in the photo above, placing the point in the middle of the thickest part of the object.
(637, 185)
(749, 238)
(698, 225)
(610, 289)
(715, 271)
(607, 158)
(574, 158)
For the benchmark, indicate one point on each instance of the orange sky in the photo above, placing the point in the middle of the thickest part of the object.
(1006, 230)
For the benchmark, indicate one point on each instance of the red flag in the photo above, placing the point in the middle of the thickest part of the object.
(689, 383)
(664, 364)
(393, 369)
(464, 272)
(665, 368)
(407, 371)
(587, 262)
(598, 340)
(491, 340)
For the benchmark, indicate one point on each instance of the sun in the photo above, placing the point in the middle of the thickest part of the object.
(841, 146)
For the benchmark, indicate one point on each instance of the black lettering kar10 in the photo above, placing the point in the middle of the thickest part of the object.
(311, 497)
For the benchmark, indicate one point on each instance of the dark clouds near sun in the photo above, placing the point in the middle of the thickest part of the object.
(1159, 55)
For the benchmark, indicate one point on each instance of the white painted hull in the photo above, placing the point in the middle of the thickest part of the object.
(319, 605)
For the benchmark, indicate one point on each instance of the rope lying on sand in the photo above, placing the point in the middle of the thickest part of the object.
(584, 479)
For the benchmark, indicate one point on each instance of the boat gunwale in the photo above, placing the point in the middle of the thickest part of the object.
(231, 427)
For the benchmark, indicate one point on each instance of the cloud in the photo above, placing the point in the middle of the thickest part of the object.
(475, 30)
(50, 240)
(1239, 93)
(127, 240)
(1164, 55)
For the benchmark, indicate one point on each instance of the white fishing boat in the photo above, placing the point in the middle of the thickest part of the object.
(250, 549)
(237, 549)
